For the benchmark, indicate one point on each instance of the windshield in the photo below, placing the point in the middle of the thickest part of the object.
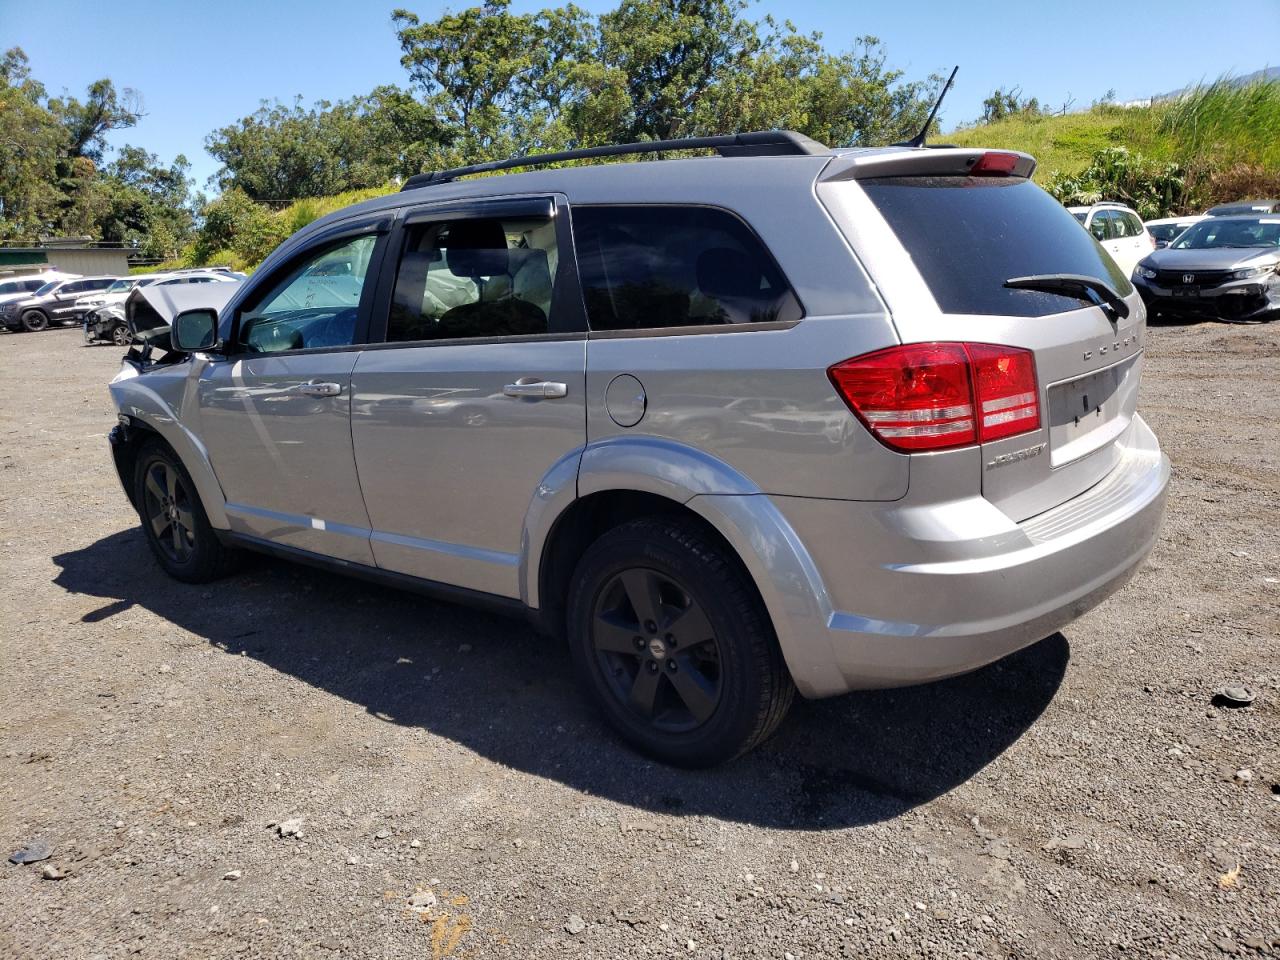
(120, 286)
(47, 288)
(968, 235)
(1080, 215)
(1213, 233)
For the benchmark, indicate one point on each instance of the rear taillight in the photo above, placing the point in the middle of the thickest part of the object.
(934, 396)
(1004, 383)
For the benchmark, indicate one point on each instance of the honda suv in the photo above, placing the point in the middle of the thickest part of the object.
(790, 419)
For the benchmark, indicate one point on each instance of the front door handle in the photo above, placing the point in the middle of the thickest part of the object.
(318, 389)
(538, 389)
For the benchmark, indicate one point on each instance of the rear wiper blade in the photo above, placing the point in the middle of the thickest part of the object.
(1090, 289)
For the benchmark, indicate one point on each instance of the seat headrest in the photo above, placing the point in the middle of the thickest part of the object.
(531, 262)
(725, 272)
(476, 248)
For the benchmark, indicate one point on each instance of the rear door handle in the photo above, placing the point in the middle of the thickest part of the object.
(538, 389)
(317, 388)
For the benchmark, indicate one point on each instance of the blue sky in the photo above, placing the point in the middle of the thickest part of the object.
(202, 65)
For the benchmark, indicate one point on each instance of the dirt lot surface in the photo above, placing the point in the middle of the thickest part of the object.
(453, 797)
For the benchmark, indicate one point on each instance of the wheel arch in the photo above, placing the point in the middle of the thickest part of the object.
(635, 479)
(149, 415)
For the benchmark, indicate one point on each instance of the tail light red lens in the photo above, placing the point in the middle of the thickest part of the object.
(993, 164)
(1004, 382)
(935, 396)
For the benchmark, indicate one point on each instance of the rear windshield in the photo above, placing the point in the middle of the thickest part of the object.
(968, 235)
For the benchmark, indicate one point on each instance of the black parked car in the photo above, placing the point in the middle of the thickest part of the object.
(52, 303)
(1222, 267)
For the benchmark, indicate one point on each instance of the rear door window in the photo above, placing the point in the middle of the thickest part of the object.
(968, 235)
(647, 267)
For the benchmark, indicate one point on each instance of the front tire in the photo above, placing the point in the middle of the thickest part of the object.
(33, 321)
(120, 335)
(671, 640)
(173, 519)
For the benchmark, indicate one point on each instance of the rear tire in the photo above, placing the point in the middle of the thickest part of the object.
(173, 519)
(671, 640)
(33, 321)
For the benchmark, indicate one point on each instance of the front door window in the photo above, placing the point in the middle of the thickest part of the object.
(314, 305)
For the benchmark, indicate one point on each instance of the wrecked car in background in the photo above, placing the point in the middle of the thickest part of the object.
(103, 313)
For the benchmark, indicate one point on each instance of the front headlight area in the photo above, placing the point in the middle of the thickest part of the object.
(1249, 273)
(1146, 273)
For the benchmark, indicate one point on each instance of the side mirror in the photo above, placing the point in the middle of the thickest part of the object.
(194, 330)
(1161, 244)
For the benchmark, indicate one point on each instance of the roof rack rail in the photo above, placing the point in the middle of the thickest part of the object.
(759, 143)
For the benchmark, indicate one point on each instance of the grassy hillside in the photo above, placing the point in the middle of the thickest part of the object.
(1222, 134)
(1059, 143)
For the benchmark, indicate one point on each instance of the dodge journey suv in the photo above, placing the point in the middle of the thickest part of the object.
(786, 419)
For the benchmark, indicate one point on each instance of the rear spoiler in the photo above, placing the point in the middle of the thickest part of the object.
(927, 162)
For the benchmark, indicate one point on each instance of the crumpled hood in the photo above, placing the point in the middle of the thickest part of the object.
(150, 310)
(1211, 258)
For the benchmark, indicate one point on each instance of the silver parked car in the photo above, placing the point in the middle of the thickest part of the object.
(1222, 268)
(788, 419)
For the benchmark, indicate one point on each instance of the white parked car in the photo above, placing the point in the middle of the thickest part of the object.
(1120, 231)
(1165, 230)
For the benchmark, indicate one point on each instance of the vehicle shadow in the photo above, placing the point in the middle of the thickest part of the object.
(492, 685)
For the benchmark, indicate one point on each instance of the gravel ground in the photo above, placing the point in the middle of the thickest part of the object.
(287, 764)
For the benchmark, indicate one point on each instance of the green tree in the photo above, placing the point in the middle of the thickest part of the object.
(286, 152)
(1008, 103)
(235, 222)
(500, 81)
(53, 178)
(148, 204)
(31, 143)
(651, 69)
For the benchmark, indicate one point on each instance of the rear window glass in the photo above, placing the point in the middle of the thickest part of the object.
(645, 267)
(968, 235)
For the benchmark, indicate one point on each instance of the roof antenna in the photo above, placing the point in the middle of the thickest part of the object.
(918, 139)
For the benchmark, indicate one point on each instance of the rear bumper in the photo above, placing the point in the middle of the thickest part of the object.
(955, 586)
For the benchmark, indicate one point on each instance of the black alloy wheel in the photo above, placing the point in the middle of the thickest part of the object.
(671, 640)
(657, 650)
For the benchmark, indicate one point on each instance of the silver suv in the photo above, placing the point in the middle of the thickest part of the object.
(787, 419)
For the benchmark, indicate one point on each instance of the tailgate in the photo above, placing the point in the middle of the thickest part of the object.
(961, 238)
